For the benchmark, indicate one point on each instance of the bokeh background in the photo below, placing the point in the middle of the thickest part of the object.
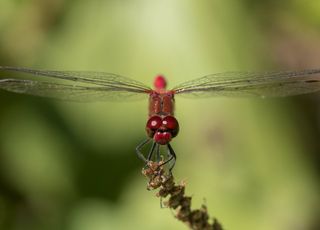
(253, 162)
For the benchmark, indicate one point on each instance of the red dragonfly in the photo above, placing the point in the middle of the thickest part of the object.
(161, 126)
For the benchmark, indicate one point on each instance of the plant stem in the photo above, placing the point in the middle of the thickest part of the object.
(197, 219)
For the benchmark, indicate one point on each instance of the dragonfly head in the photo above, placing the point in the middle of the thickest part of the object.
(162, 129)
(160, 82)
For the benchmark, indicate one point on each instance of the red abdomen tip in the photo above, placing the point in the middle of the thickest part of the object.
(160, 82)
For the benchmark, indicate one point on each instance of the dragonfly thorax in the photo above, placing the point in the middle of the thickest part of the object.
(161, 104)
(162, 129)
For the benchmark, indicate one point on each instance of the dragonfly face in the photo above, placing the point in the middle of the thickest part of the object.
(162, 130)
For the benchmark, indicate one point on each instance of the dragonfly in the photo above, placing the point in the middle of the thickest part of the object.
(162, 126)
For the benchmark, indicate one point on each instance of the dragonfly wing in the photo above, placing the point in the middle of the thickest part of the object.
(75, 85)
(237, 84)
(77, 93)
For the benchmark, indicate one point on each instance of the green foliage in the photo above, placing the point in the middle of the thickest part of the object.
(73, 166)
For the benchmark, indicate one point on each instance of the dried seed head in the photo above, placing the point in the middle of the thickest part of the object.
(158, 178)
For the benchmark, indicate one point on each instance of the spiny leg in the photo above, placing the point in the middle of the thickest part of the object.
(169, 159)
(158, 153)
(150, 154)
(172, 157)
(139, 147)
(173, 154)
(151, 151)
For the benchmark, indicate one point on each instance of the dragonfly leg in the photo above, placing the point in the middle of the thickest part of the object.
(158, 153)
(172, 156)
(150, 154)
(154, 144)
(139, 147)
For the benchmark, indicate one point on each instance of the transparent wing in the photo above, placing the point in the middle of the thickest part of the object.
(237, 84)
(67, 92)
(75, 85)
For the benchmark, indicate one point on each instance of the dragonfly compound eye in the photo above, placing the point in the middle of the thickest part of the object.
(153, 124)
(171, 124)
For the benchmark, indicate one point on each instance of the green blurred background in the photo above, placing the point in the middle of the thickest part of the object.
(73, 166)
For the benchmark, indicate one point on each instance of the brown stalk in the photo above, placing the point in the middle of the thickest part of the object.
(197, 219)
